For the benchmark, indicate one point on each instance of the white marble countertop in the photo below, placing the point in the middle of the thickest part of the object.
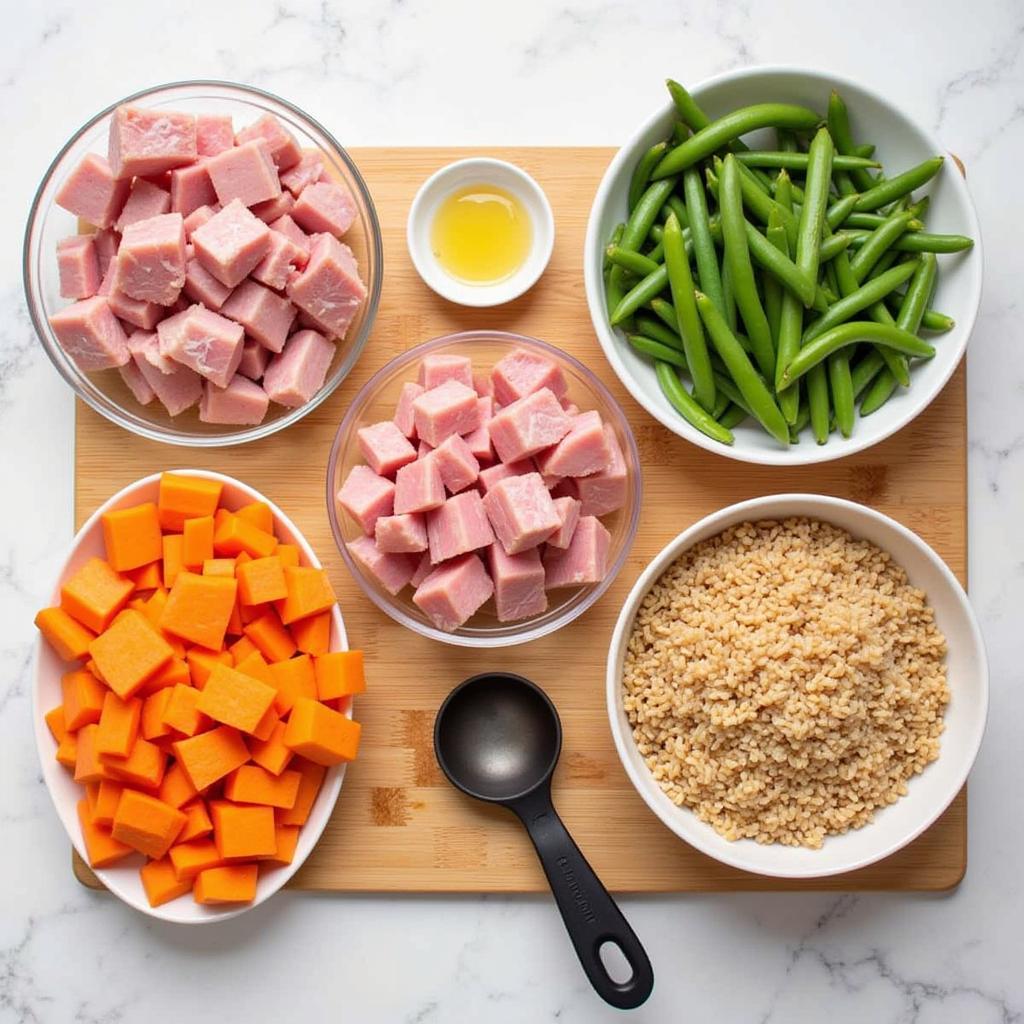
(530, 72)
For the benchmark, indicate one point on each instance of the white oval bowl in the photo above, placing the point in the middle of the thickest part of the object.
(901, 144)
(123, 878)
(929, 793)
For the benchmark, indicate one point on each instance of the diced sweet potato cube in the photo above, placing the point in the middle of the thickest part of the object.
(234, 698)
(232, 535)
(272, 753)
(160, 882)
(188, 859)
(270, 637)
(101, 849)
(197, 542)
(104, 805)
(88, 765)
(230, 883)
(70, 639)
(182, 711)
(312, 635)
(198, 609)
(287, 840)
(201, 663)
(186, 497)
(153, 726)
(55, 722)
(118, 725)
(132, 536)
(197, 822)
(95, 594)
(261, 580)
(252, 784)
(176, 788)
(339, 674)
(146, 824)
(174, 557)
(312, 778)
(144, 766)
(309, 592)
(242, 831)
(82, 694)
(211, 755)
(129, 652)
(320, 734)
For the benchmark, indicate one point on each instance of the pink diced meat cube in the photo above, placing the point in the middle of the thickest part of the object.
(456, 462)
(418, 487)
(77, 267)
(136, 382)
(521, 512)
(191, 188)
(243, 402)
(528, 425)
(518, 583)
(366, 497)
(423, 570)
(245, 173)
(483, 385)
(521, 373)
(202, 286)
(283, 259)
(405, 418)
(298, 372)
(254, 360)
(147, 141)
(90, 334)
(273, 209)
(584, 450)
(287, 227)
(479, 440)
(124, 307)
(585, 560)
(265, 315)
(385, 448)
(391, 571)
(284, 150)
(177, 387)
(459, 525)
(107, 242)
(145, 200)
(450, 408)
(493, 474)
(401, 535)
(324, 206)
(231, 243)
(329, 288)
(214, 134)
(454, 592)
(568, 509)
(607, 490)
(435, 369)
(92, 192)
(305, 172)
(203, 340)
(151, 259)
(197, 218)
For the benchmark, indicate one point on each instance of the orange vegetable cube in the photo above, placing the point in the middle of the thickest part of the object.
(197, 540)
(153, 610)
(320, 734)
(261, 580)
(182, 712)
(129, 652)
(160, 883)
(153, 725)
(270, 637)
(201, 662)
(186, 497)
(174, 557)
(219, 567)
(230, 883)
(67, 751)
(242, 831)
(176, 788)
(256, 666)
(146, 824)
(148, 576)
(101, 849)
(252, 784)
(132, 536)
(309, 592)
(235, 623)
(309, 787)
(293, 679)
(233, 535)
(267, 724)
(198, 609)
(241, 649)
(118, 725)
(174, 673)
(95, 594)
(211, 755)
(191, 858)
(69, 638)
(56, 722)
(272, 753)
(259, 514)
(242, 557)
(108, 794)
(83, 698)
(235, 699)
(312, 635)
(88, 766)
(287, 840)
(197, 822)
(288, 553)
(144, 766)
(339, 674)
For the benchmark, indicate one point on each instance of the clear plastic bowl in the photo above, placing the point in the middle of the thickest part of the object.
(376, 401)
(48, 223)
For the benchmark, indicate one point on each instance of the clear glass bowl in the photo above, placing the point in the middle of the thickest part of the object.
(376, 401)
(48, 223)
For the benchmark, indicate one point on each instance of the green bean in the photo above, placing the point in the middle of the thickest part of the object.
(799, 161)
(642, 292)
(634, 262)
(687, 406)
(839, 212)
(897, 363)
(677, 206)
(726, 386)
(658, 331)
(831, 247)
(737, 257)
(703, 247)
(938, 322)
(919, 291)
(880, 240)
(803, 417)
(860, 299)
(865, 370)
(878, 394)
(840, 383)
(752, 388)
(865, 149)
(824, 345)
(784, 269)
(666, 312)
(728, 297)
(656, 254)
(786, 141)
(812, 214)
(654, 349)
(839, 128)
(718, 133)
(818, 403)
(613, 241)
(721, 404)
(894, 188)
(790, 322)
(917, 241)
(614, 290)
(870, 221)
(681, 284)
(688, 109)
(733, 416)
(680, 132)
(885, 261)
(642, 216)
(783, 192)
(642, 173)
(776, 237)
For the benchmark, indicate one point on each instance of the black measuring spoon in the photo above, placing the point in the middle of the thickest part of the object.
(497, 737)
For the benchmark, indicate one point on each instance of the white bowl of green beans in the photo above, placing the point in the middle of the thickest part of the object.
(782, 266)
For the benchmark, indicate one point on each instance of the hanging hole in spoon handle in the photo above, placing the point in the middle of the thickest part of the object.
(591, 916)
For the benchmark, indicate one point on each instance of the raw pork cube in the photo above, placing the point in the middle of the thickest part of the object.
(329, 288)
(458, 526)
(385, 448)
(391, 571)
(305, 172)
(151, 259)
(203, 340)
(366, 497)
(245, 173)
(605, 492)
(436, 369)
(518, 583)
(191, 188)
(459, 467)
(585, 560)
(202, 286)
(584, 450)
(197, 218)
(418, 487)
(214, 134)
(146, 141)
(423, 450)
(177, 387)
(450, 408)
(275, 208)
(521, 511)
(135, 311)
(570, 407)
(145, 200)
(287, 227)
(92, 193)
(454, 592)
(254, 359)
(283, 148)
(107, 242)
(78, 267)
(324, 206)
(90, 334)
(423, 570)
(401, 535)
(136, 382)
(490, 476)
(298, 373)
(231, 243)
(483, 385)
(242, 402)
(569, 512)
(479, 440)
(521, 373)
(528, 425)
(405, 419)
(283, 259)
(264, 314)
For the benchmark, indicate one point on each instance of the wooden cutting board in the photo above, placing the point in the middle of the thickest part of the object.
(398, 825)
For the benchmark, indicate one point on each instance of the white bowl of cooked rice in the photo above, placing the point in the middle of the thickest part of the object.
(797, 686)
